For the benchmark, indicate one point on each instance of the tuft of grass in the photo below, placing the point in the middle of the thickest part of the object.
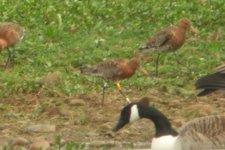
(68, 146)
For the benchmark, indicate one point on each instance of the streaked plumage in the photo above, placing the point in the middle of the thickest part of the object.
(114, 70)
(211, 82)
(199, 134)
(10, 34)
(169, 39)
(204, 133)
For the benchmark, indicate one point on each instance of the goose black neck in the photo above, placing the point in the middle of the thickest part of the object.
(162, 124)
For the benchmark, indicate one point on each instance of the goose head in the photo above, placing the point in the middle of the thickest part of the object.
(128, 114)
(195, 134)
(165, 136)
(141, 109)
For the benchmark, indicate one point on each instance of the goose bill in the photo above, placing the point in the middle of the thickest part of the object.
(119, 125)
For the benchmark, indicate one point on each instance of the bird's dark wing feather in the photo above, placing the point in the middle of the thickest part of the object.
(210, 83)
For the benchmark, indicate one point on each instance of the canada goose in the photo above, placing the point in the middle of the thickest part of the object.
(204, 133)
(114, 70)
(10, 34)
(168, 40)
(211, 82)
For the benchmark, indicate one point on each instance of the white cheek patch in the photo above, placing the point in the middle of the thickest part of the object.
(134, 114)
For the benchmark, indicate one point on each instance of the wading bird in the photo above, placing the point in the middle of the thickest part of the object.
(168, 40)
(10, 34)
(205, 133)
(211, 82)
(114, 70)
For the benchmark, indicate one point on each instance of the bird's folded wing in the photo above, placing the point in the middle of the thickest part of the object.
(212, 81)
(159, 40)
(108, 70)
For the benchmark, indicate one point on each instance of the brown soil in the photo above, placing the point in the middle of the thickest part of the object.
(89, 122)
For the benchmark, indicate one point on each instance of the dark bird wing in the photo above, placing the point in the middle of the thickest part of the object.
(211, 82)
(203, 133)
(159, 42)
(109, 70)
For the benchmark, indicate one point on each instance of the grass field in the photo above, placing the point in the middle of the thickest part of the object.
(62, 36)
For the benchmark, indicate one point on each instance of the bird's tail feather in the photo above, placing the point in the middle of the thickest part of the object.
(210, 83)
(204, 92)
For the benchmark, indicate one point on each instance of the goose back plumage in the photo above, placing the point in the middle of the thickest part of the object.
(203, 133)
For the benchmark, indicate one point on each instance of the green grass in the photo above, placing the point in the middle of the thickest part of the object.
(61, 34)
